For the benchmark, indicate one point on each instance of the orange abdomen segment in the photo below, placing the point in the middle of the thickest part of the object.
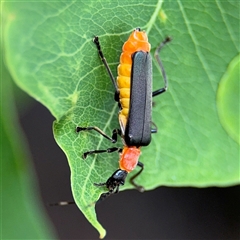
(129, 158)
(138, 41)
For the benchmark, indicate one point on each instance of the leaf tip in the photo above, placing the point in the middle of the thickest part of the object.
(102, 233)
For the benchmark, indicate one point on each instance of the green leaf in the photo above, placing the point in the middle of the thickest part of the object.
(22, 216)
(228, 99)
(50, 53)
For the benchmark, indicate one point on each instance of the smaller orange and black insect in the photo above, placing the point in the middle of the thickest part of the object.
(133, 92)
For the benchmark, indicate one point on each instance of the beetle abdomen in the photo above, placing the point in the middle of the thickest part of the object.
(138, 41)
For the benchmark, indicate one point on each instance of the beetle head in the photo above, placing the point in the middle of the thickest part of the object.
(113, 183)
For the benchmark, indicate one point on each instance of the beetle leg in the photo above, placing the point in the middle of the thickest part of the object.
(155, 129)
(109, 150)
(138, 187)
(97, 43)
(164, 89)
(113, 139)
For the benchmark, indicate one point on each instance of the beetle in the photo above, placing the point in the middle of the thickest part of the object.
(133, 93)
